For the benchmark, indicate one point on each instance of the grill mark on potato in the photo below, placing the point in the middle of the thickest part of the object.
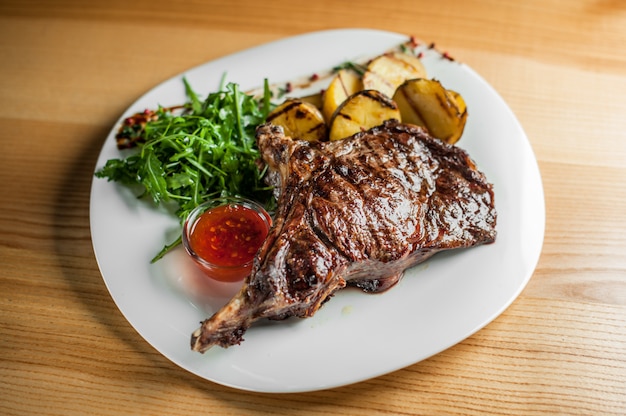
(283, 111)
(415, 108)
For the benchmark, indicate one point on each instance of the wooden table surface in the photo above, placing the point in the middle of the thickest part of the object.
(69, 69)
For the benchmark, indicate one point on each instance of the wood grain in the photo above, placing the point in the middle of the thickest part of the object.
(69, 69)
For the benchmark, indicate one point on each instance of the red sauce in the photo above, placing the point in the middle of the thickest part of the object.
(228, 236)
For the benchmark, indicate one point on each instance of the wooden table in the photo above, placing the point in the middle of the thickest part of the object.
(67, 73)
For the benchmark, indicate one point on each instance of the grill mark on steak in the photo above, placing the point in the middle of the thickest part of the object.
(353, 212)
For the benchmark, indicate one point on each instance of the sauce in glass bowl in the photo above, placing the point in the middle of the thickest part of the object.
(223, 235)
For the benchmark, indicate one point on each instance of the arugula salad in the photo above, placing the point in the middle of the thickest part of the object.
(198, 151)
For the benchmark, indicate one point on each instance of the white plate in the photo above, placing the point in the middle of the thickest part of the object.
(355, 336)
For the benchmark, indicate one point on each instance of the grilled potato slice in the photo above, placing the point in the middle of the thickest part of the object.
(387, 72)
(361, 111)
(428, 104)
(300, 120)
(345, 83)
(460, 102)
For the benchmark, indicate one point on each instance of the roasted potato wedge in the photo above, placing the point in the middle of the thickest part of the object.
(345, 83)
(361, 111)
(428, 104)
(387, 72)
(300, 120)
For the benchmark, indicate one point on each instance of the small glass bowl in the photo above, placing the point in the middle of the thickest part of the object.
(222, 273)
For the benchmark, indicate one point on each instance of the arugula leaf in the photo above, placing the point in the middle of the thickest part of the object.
(358, 68)
(209, 150)
(151, 175)
(196, 104)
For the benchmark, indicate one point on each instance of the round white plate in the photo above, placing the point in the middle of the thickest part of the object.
(355, 336)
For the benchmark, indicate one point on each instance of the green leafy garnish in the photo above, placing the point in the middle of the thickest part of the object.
(208, 150)
(358, 68)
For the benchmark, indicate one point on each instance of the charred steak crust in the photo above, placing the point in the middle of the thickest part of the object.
(356, 212)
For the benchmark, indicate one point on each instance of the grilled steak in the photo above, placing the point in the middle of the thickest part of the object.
(355, 212)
